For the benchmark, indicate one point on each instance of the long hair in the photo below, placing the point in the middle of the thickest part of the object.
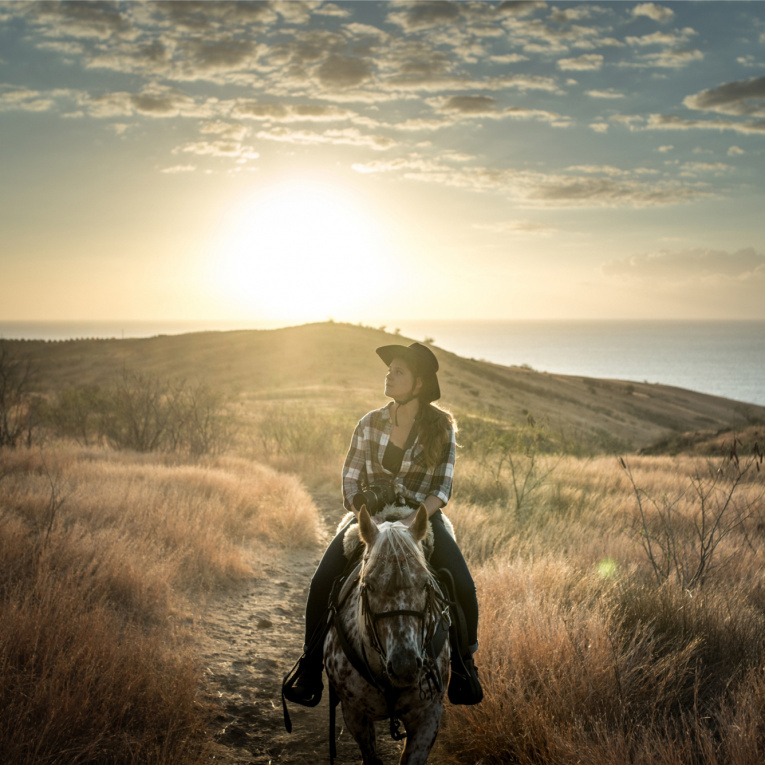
(435, 426)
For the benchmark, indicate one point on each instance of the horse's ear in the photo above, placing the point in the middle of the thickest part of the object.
(419, 527)
(367, 527)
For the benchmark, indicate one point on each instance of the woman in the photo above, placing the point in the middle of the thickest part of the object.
(403, 453)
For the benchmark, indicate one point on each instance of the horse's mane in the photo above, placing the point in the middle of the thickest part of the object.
(395, 541)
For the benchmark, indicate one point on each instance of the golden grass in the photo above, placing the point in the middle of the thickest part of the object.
(584, 657)
(98, 551)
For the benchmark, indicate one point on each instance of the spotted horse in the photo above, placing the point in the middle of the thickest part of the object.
(386, 652)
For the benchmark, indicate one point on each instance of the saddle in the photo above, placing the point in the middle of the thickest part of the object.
(352, 543)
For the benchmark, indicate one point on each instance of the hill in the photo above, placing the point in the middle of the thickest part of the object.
(334, 365)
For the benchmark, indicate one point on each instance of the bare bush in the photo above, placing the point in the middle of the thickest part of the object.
(144, 413)
(681, 533)
(514, 461)
(15, 381)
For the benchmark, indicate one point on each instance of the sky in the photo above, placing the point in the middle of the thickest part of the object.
(365, 161)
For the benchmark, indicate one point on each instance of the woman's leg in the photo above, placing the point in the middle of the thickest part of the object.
(304, 684)
(330, 567)
(464, 685)
(447, 554)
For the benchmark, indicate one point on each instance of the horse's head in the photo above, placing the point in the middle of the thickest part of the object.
(396, 587)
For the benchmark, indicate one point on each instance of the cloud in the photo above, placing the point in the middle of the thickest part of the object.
(228, 131)
(508, 58)
(344, 71)
(24, 99)
(662, 38)
(100, 21)
(219, 148)
(673, 122)
(519, 229)
(346, 136)
(153, 102)
(587, 62)
(667, 59)
(602, 187)
(653, 11)
(471, 105)
(278, 111)
(331, 9)
(418, 15)
(742, 98)
(735, 151)
(175, 169)
(689, 265)
(694, 168)
(610, 94)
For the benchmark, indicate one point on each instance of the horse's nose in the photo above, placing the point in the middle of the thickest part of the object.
(404, 668)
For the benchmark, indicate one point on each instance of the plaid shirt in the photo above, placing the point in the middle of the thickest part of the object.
(414, 481)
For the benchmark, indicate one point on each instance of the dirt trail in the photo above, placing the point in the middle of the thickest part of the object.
(250, 639)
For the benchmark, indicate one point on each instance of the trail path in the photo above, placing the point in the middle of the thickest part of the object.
(250, 639)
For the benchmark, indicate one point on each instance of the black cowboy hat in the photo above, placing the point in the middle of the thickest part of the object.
(423, 362)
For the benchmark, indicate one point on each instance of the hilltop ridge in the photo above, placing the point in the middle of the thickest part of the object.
(334, 364)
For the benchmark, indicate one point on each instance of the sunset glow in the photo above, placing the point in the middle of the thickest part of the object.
(370, 161)
(300, 252)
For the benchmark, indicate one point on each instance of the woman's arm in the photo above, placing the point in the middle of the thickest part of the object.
(354, 469)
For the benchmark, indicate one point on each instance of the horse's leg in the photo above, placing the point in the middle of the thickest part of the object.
(422, 726)
(363, 730)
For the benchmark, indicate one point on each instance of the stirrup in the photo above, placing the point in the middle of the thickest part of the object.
(303, 685)
(464, 685)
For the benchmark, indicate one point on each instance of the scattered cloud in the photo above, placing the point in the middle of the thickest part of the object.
(735, 151)
(666, 59)
(473, 105)
(345, 136)
(587, 62)
(179, 169)
(344, 71)
(666, 39)
(25, 99)
(279, 111)
(519, 229)
(674, 122)
(219, 148)
(659, 13)
(609, 94)
(689, 265)
(743, 98)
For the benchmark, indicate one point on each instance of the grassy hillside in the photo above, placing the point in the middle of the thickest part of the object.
(334, 365)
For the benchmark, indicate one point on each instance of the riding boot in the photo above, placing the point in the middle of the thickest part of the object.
(304, 684)
(464, 685)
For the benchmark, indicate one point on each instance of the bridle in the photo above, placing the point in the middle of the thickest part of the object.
(435, 605)
(435, 626)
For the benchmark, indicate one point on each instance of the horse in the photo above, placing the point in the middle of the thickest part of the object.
(387, 653)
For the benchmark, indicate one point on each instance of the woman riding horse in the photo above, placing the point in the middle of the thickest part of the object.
(400, 454)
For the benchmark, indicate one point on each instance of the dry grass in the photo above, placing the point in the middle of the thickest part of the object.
(98, 550)
(585, 659)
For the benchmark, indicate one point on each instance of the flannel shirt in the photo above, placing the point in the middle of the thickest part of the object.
(414, 481)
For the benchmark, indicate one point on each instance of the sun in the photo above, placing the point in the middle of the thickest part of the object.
(301, 252)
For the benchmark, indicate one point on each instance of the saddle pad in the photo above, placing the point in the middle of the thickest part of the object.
(352, 540)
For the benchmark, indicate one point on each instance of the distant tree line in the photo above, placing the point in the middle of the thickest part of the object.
(144, 413)
(135, 411)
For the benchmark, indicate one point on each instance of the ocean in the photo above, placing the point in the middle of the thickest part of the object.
(724, 358)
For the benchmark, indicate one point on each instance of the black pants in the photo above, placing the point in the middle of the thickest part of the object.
(446, 554)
